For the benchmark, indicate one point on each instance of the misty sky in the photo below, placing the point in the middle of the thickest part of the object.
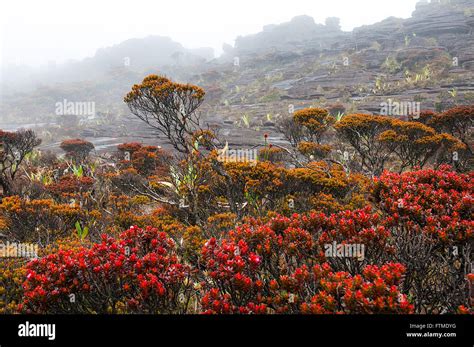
(34, 32)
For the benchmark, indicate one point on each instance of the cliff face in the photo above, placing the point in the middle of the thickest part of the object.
(441, 17)
(450, 22)
(289, 36)
(438, 18)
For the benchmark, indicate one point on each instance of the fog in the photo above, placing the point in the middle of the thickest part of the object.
(36, 32)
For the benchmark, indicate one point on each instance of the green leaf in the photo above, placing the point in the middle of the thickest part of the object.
(85, 232)
(78, 228)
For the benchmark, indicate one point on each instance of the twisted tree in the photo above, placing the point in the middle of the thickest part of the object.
(457, 122)
(362, 131)
(415, 143)
(316, 122)
(14, 146)
(168, 107)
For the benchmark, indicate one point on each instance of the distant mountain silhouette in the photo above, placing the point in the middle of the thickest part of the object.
(135, 54)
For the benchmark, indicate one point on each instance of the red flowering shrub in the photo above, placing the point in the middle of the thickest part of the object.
(374, 291)
(140, 272)
(242, 267)
(424, 224)
(276, 267)
(245, 280)
(438, 202)
(360, 228)
(429, 215)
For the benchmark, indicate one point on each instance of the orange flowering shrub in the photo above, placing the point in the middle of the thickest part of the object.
(293, 131)
(457, 121)
(12, 275)
(129, 211)
(220, 223)
(194, 187)
(39, 221)
(147, 160)
(192, 240)
(311, 149)
(272, 154)
(129, 147)
(415, 143)
(316, 122)
(253, 185)
(325, 203)
(319, 177)
(165, 222)
(362, 132)
(203, 138)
